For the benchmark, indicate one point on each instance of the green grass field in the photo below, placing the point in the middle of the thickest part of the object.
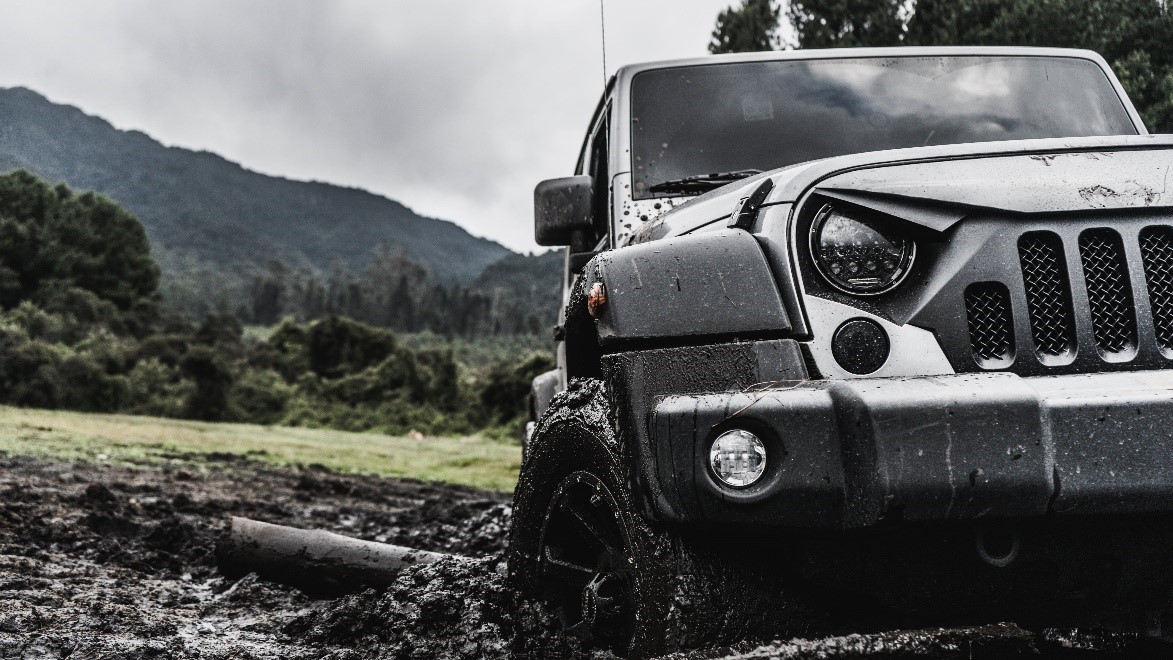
(473, 460)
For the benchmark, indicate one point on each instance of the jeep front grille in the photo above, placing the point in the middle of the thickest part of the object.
(1156, 251)
(991, 327)
(1109, 295)
(1078, 298)
(1048, 296)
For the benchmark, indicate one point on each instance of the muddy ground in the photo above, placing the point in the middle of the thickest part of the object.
(100, 561)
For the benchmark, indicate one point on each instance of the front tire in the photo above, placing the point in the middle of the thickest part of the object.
(579, 544)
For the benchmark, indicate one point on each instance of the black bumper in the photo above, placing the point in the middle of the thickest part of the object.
(860, 453)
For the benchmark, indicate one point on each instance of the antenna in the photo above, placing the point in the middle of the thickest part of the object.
(603, 34)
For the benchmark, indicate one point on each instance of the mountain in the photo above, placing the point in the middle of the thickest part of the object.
(214, 224)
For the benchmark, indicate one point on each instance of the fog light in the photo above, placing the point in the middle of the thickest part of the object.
(738, 458)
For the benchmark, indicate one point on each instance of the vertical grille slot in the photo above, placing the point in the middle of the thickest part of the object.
(1156, 251)
(1109, 293)
(1048, 296)
(991, 326)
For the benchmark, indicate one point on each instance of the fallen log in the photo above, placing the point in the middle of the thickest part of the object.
(313, 560)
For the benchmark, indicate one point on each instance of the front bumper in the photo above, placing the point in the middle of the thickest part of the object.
(852, 454)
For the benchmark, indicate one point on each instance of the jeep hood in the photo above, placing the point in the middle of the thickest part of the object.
(937, 186)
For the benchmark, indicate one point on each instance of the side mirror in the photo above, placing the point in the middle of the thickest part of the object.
(562, 211)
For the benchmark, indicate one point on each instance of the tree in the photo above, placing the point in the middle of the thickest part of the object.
(751, 27)
(52, 240)
(269, 293)
(846, 23)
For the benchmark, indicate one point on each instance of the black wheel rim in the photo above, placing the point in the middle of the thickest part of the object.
(584, 567)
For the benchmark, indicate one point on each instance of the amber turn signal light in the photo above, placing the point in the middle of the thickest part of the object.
(596, 300)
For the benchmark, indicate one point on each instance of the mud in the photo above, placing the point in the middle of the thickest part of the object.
(109, 562)
(99, 561)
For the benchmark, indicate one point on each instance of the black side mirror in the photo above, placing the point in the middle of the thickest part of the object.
(562, 211)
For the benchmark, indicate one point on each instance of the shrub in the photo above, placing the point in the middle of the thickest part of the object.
(40, 388)
(209, 400)
(506, 390)
(112, 352)
(168, 348)
(80, 307)
(29, 373)
(260, 396)
(220, 330)
(338, 346)
(156, 388)
(40, 324)
(85, 385)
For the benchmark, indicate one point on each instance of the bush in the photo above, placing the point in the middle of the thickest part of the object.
(212, 379)
(159, 389)
(220, 330)
(85, 385)
(40, 324)
(505, 394)
(29, 373)
(41, 388)
(112, 352)
(337, 346)
(82, 308)
(168, 348)
(260, 396)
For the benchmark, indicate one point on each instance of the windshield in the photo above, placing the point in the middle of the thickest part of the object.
(734, 118)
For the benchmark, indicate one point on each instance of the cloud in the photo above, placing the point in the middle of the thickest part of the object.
(456, 108)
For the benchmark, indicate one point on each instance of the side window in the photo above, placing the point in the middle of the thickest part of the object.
(598, 168)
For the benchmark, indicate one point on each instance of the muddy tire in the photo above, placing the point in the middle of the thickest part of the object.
(579, 544)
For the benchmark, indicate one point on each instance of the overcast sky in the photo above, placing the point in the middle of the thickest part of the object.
(455, 108)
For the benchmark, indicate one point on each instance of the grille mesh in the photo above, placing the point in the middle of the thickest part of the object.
(1108, 291)
(1156, 250)
(991, 327)
(1048, 298)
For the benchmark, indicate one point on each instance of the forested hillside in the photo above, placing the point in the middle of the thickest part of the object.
(517, 295)
(532, 279)
(215, 226)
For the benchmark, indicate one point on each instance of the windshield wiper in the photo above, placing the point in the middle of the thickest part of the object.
(701, 182)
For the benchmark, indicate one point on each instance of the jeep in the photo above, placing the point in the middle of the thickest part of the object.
(874, 335)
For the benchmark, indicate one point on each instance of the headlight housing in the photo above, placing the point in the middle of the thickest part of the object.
(857, 255)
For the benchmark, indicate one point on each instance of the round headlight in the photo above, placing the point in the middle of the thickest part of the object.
(738, 458)
(855, 255)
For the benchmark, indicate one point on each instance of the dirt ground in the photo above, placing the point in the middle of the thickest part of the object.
(99, 561)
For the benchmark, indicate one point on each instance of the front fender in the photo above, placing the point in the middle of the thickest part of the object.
(714, 285)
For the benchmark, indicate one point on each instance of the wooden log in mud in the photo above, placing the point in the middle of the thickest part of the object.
(313, 560)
